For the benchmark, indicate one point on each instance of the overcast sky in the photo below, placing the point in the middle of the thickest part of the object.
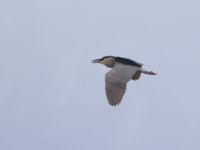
(52, 97)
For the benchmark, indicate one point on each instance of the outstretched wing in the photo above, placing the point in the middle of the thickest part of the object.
(116, 81)
(137, 75)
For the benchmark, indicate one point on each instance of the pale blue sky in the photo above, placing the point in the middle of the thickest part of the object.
(52, 97)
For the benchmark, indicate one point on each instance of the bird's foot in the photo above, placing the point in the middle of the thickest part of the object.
(149, 72)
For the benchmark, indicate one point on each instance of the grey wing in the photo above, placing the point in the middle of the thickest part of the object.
(116, 81)
(137, 75)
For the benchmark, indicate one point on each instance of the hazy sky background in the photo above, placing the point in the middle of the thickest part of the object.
(52, 97)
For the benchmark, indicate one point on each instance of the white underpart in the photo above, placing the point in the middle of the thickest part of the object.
(143, 70)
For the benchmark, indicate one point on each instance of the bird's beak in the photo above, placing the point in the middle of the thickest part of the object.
(96, 61)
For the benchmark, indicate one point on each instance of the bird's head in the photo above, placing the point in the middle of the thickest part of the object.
(108, 61)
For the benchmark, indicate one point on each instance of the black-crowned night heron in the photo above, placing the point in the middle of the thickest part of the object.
(123, 70)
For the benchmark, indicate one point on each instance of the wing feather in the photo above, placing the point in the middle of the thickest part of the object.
(116, 80)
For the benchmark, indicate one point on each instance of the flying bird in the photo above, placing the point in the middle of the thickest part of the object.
(123, 70)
